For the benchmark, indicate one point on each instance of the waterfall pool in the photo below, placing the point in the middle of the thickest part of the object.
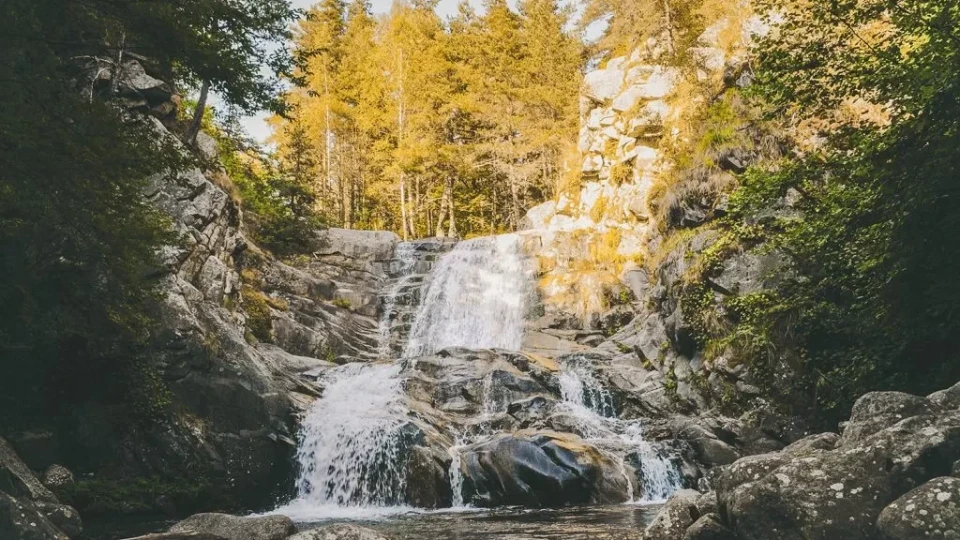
(613, 522)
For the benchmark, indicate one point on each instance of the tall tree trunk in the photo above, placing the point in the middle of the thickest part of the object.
(190, 137)
(669, 23)
(514, 199)
(403, 206)
(440, 233)
(452, 231)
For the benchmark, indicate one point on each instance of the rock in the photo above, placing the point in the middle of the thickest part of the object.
(946, 399)
(750, 272)
(428, 485)
(207, 146)
(64, 517)
(820, 441)
(58, 476)
(538, 216)
(178, 536)
(674, 517)
(603, 84)
(135, 81)
(708, 527)
(541, 469)
(21, 520)
(17, 480)
(929, 511)
(238, 527)
(875, 411)
(339, 532)
(707, 503)
(840, 493)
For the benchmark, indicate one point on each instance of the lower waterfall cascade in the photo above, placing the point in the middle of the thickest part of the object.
(477, 296)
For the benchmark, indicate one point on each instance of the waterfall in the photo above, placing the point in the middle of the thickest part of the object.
(592, 406)
(407, 262)
(477, 297)
(351, 444)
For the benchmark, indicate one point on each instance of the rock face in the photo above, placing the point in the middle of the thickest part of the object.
(238, 528)
(28, 510)
(886, 476)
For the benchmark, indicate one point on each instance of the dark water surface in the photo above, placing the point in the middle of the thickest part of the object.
(620, 522)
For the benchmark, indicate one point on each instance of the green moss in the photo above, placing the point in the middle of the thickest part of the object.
(107, 496)
(259, 319)
(343, 303)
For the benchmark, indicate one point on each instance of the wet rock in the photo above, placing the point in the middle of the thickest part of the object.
(17, 480)
(544, 469)
(21, 520)
(58, 476)
(709, 527)
(674, 517)
(238, 527)
(340, 531)
(428, 484)
(929, 511)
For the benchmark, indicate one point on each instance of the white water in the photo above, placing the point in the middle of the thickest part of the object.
(593, 411)
(350, 446)
(476, 297)
(405, 255)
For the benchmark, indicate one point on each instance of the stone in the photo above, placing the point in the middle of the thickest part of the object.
(238, 527)
(17, 480)
(178, 536)
(812, 443)
(750, 272)
(709, 527)
(207, 146)
(931, 510)
(603, 84)
(674, 517)
(875, 411)
(539, 469)
(538, 216)
(63, 517)
(340, 531)
(707, 503)
(38, 448)
(134, 80)
(21, 520)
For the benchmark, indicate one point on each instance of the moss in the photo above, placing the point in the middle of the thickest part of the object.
(343, 303)
(620, 173)
(259, 318)
(107, 496)
(599, 210)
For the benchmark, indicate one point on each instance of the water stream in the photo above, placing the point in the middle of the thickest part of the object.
(477, 295)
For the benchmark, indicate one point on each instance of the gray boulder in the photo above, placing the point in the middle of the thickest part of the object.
(238, 527)
(58, 476)
(544, 469)
(64, 517)
(21, 520)
(929, 511)
(709, 527)
(178, 536)
(674, 517)
(340, 531)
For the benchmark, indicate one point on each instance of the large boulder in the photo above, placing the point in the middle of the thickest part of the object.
(21, 520)
(674, 517)
(238, 527)
(929, 511)
(708, 527)
(340, 531)
(543, 469)
(899, 442)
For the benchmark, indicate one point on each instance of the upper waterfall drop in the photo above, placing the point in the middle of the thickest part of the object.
(477, 297)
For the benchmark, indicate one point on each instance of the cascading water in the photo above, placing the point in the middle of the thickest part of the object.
(406, 260)
(476, 297)
(592, 408)
(350, 445)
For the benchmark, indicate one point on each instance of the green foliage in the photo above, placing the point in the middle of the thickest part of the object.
(342, 303)
(113, 497)
(868, 220)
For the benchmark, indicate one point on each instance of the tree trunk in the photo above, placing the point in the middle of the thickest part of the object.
(669, 23)
(514, 199)
(452, 231)
(403, 206)
(190, 137)
(443, 211)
